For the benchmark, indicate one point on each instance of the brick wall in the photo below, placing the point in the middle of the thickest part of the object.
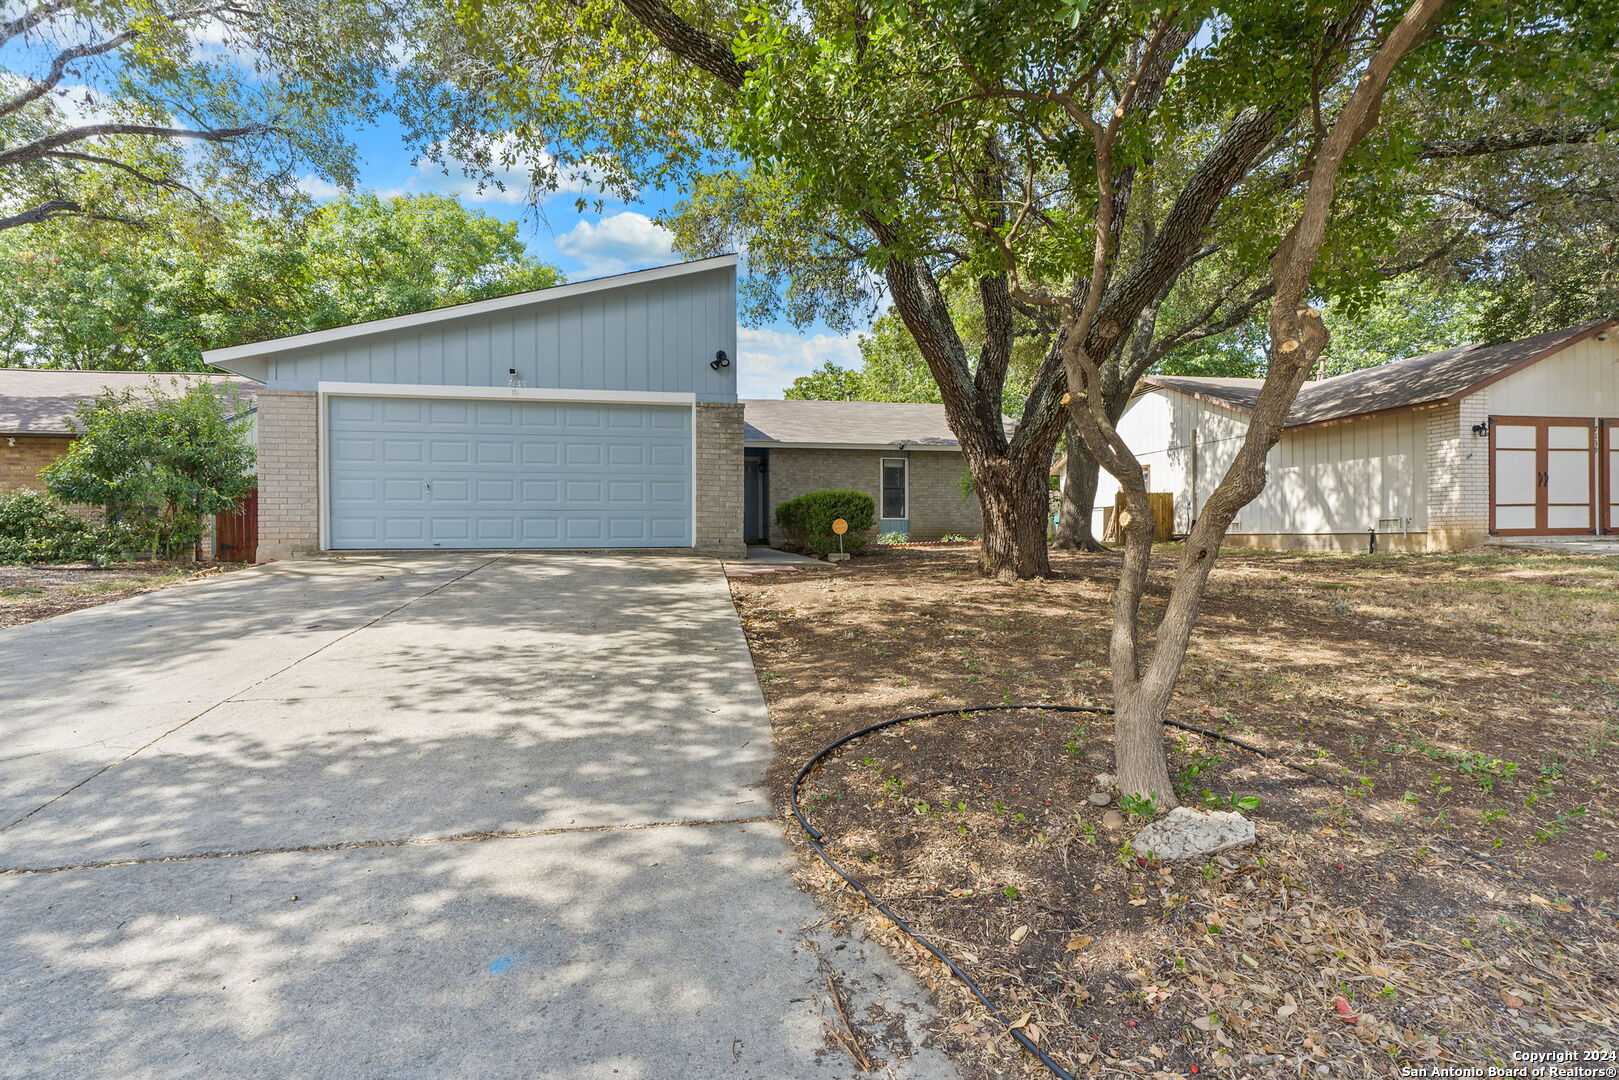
(937, 508)
(20, 464)
(289, 473)
(719, 479)
(1458, 471)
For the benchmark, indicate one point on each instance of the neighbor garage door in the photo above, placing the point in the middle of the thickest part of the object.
(448, 473)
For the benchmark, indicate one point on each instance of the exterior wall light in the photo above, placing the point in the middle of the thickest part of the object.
(720, 361)
(1481, 429)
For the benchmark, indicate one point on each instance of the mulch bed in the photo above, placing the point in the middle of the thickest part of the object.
(30, 593)
(1470, 698)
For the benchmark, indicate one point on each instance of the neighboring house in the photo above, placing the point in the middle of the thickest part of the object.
(1433, 452)
(597, 414)
(903, 456)
(37, 408)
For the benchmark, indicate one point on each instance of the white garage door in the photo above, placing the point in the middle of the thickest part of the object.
(452, 473)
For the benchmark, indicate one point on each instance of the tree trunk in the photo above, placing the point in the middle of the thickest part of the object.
(1015, 502)
(1080, 476)
(1138, 744)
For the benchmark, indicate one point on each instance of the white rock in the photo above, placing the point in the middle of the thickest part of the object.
(1100, 798)
(1184, 833)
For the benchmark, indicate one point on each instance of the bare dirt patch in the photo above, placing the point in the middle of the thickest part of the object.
(1473, 699)
(29, 593)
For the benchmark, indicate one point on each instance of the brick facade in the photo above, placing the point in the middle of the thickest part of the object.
(718, 433)
(22, 456)
(936, 506)
(1458, 475)
(289, 473)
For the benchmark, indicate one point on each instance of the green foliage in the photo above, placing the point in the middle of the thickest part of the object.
(205, 97)
(807, 520)
(34, 527)
(892, 368)
(157, 463)
(95, 296)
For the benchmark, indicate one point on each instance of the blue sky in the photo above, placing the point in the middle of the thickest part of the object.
(619, 237)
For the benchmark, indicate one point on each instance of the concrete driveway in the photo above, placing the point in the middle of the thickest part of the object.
(451, 815)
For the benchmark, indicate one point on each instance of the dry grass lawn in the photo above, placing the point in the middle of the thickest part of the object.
(1455, 702)
(29, 593)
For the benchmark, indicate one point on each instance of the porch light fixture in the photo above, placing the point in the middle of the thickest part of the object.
(720, 361)
(1481, 429)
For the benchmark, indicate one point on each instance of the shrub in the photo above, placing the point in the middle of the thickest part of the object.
(157, 463)
(807, 520)
(36, 528)
(894, 538)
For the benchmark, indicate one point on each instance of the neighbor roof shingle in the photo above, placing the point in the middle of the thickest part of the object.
(766, 422)
(37, 401)
(1430, 379)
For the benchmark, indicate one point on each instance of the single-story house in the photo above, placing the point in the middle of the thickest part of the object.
(37, 408)
(1433, 452)
(904, 456)
(596, 414)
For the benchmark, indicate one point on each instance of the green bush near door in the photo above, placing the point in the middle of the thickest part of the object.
(807, 520)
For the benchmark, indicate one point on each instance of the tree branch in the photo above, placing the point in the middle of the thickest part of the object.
(707, 51)
(1528, 138)
(43, 147)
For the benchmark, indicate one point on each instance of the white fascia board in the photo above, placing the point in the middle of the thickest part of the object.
(887, 448)
(508, 393)
(259, 349)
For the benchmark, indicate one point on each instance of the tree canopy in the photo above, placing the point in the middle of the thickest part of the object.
(119, 110)
(89, 294)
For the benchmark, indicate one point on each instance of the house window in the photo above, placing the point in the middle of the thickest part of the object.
(894, 488)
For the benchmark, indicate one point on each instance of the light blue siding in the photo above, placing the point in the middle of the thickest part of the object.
(467, 473)
(658, 336)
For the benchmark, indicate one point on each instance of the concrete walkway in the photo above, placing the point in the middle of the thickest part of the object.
(452, 815)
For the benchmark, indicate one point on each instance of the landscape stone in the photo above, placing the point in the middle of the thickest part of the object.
(1185, 833)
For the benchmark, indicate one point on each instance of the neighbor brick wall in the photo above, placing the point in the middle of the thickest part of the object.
(289, 473)
(719, 479)
(20, 464)
(937, 508)
(1458, 473)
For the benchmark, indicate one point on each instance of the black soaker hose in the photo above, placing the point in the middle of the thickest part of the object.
(817, 844)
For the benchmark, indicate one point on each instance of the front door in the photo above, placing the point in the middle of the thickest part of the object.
(1541, 477)
(754, 526)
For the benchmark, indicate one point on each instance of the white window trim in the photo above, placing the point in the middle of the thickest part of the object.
(508, 393)
(328, 390)
(882, 466)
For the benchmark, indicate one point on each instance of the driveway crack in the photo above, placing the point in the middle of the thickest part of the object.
(406, 841)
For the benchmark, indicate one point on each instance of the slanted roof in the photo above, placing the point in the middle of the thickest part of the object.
(877, 425)
(246, 359)
(34, 401)
(1436, 378)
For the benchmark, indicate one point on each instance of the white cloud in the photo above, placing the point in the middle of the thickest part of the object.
(769, 360)
(319, 188)
(81, 104)
(512, 165)
(616, 243)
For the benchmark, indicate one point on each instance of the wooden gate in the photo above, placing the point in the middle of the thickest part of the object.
(236, 536)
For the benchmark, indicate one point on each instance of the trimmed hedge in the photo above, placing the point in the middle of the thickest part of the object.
(807, 520)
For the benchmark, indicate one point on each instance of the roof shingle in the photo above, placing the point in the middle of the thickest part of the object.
(767, 422)
(40, 401)
(1430, 379)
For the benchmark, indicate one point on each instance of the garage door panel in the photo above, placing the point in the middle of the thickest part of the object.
(464, 473)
